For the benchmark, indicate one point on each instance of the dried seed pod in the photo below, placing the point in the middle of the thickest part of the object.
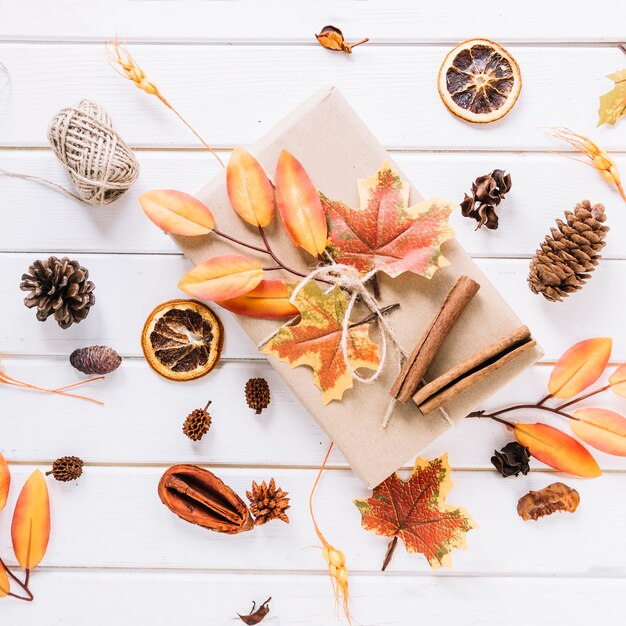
(257, 394)
(67, 468)
(197, 423)
(512, 459)
(554, 497)
(256, 616)
(332, 38)
(199, 497)
(95, 360)
(268, 502)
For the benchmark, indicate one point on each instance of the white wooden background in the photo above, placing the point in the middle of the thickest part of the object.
(116, 555)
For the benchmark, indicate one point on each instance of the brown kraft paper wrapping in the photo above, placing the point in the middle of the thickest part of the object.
(336, 149)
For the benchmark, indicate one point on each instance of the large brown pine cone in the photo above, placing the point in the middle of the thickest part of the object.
(566, 257)
(59, 287)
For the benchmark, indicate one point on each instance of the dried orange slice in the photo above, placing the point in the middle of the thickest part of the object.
(479, 81)
(182, 339)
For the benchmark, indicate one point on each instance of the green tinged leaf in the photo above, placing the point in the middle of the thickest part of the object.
(613, 103)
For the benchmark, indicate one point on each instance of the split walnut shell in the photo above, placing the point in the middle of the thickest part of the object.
(199, 497)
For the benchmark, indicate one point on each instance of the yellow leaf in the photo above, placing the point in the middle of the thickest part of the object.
(613, 103)
(177, 212)
(5, 587)
(30, 530)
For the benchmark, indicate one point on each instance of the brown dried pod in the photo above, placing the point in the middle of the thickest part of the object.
(256, 617)
(554, 497)
(95, 360)
(67, 468)
(199, 497)
(332, 38)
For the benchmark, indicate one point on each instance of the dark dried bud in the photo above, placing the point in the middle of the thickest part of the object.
(511, 460)
(67, 468)
(487, 193)
(95, 360)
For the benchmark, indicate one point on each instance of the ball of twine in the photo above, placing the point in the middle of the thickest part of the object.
(97, 159)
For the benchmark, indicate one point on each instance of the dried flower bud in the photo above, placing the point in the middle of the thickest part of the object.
(95, 360)
(67, 468)
(487, 193)
(512, 460)
(332, 38)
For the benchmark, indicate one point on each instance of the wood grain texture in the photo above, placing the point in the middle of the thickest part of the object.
(220, 82)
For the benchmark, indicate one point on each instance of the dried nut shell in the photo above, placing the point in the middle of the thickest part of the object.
(554, 497)
(199, 497)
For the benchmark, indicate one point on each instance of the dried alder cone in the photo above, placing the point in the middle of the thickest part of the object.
(59, 287)
(268, 502)
(332, 38)
(197, 423)
(256, 616)
(95, 360)
(563, 263)
(199, 497)
(512, 460)
(554, 497)
(67, 468)
(487, 193)
(257, 394)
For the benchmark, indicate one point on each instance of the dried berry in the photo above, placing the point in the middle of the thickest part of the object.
(256, 617)
(257, 394)
(554, 497)
(512, 460)
(197, 423)
(95, 360)
(67, 468)
(268, 502)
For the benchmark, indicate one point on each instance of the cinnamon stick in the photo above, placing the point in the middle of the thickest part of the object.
(414, 368)
(473, 370)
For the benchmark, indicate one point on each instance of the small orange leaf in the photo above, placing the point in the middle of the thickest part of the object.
(249, 189)
(30, 530)
(603, 429)
(5, 586)
(580, 367)
(300, 205)
(5, 481)
(222, 278)
(557, 449)
(268, 300)
(617, 380)
(177, 212)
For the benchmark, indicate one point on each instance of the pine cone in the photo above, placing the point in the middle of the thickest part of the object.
(257, 394)
(563, 262)
(487, 193)
(67, 468)
(512, 460)
(59, 287)
(197, 423)
(95, 360)
(268, 503)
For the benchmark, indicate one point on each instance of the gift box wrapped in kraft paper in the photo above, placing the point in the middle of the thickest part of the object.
(336, 150)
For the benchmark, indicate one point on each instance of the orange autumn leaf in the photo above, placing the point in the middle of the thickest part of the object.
(316, 341)
(249, 189)
(5, 481)
(5, 586)
(299, 205)
(177, 212)
(385, 233)
(580, 367)
(557, 449)
(617, 380)
(415, 511)
(30, 529)
(603, 429)
(222, 278)
(268, 300)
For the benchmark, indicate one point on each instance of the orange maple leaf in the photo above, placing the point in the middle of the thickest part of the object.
(316, 341)
(414, 510)
(385, 233)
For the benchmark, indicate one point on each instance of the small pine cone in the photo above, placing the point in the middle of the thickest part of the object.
(197, 423)
(563, 263)
(67, 468)
(512, 460)
(95, 360)
(268, 502)
(59, 287)
(487, 193)
(257, 394)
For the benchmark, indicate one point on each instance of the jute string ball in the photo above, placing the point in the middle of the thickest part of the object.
(97, 159)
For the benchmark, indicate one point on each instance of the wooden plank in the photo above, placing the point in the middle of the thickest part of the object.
(35, 218)
(143, 415)
(129, 286)
(235, 22)
(114, 518)
(165, 598)
(212, 86)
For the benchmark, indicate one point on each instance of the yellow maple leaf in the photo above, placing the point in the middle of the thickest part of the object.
(613, 103)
